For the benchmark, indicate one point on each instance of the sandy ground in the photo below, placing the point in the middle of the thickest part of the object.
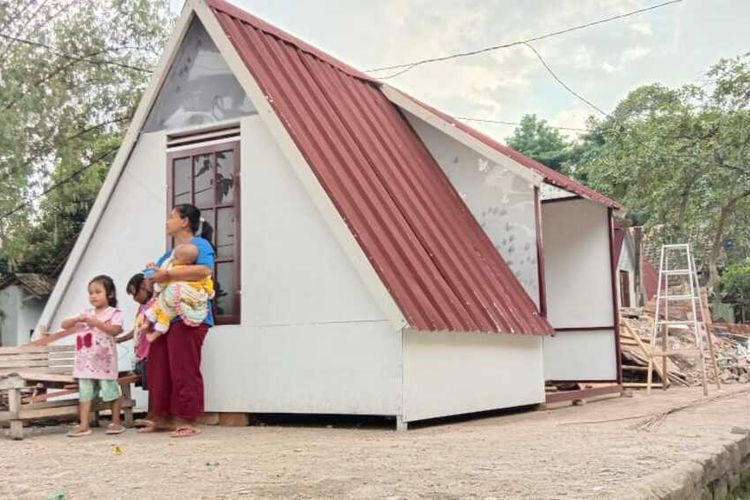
(557, 453)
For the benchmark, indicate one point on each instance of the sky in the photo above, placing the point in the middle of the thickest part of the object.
(672, 45)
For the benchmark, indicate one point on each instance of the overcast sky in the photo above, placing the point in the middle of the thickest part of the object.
(673, 45)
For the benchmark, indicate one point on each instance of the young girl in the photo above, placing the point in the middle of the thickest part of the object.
(96, 354)
(138, 288)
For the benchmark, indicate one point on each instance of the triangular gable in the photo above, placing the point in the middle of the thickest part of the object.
(412, 233)
(427, 249)
(199, 88)
(118, 164)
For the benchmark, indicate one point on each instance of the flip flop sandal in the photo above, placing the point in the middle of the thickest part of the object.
(184, 431)
(114, 429)
(78, 432)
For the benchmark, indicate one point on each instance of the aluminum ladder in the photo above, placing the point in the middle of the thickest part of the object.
(685, 277)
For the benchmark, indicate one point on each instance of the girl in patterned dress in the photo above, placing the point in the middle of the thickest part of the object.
(96, 354)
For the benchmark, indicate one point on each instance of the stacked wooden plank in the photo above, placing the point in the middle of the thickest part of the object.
(732, 353)
(635, 351)
(57, 358)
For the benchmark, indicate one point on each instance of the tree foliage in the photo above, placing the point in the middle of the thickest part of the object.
(680, 160)
(71, 75)
(539, 141)
(734, 285)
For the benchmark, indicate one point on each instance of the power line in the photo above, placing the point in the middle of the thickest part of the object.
(562, 83)
(565, 86)
(615, 122)
(515, 124)
(75, 58)
(409, 66)
(59, 184)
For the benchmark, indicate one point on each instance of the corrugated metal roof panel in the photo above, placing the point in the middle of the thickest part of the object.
(431, 254)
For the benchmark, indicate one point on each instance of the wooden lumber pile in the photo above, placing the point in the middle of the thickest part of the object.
(634, 349)
(732, 353)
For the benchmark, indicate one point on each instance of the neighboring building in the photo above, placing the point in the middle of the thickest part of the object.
(375, 256)
(22, 300)
(628, 293)
(637, 277)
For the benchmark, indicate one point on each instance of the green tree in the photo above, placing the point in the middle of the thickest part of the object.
(734, 286)
(680, 160)
(536, 139)
(70, 77)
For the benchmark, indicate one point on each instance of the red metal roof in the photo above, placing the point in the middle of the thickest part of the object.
(551, 176)
(431, 254)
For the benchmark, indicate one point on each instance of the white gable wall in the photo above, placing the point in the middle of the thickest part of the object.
(312, 339)
(501, 201)
(577, 267)
(129, 235)
(308, 323)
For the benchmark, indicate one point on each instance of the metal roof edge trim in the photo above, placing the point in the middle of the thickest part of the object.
(550, 176)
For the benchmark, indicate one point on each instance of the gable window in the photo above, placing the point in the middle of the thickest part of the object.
(208, 177)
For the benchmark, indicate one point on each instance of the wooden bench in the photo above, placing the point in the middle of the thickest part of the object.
(22, 369)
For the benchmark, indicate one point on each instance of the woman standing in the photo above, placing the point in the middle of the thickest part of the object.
(174, 374)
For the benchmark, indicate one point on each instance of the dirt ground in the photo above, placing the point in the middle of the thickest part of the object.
(570, 452)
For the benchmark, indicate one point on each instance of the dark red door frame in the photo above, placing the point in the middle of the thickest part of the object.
(540, 254)
(212, 149)
(615, 309)
(624, 288)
